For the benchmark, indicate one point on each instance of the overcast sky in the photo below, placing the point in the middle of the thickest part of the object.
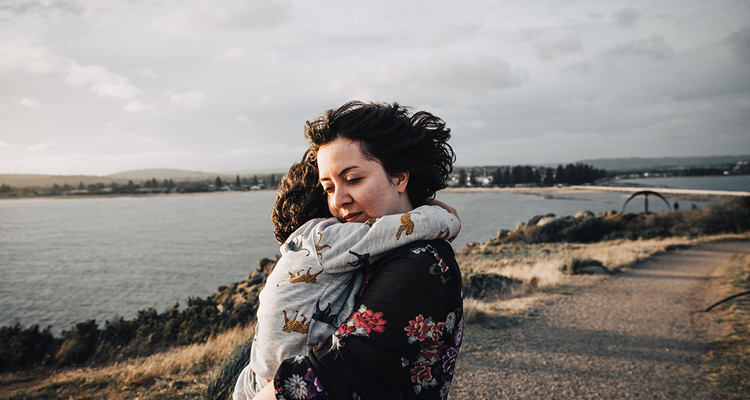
(99, 87)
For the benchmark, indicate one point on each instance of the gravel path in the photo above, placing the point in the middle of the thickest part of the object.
(632, 335)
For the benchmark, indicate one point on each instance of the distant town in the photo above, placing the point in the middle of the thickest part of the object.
(485, 176)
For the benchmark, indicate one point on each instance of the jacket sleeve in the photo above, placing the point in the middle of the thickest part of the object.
(344, 247)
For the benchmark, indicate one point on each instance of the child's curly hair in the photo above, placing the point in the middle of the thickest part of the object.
(300, 198)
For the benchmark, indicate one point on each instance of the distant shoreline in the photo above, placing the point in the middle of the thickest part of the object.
(113, 196)
(523, 190)
(527, 190)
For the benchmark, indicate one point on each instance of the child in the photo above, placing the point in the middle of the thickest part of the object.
(312, 289)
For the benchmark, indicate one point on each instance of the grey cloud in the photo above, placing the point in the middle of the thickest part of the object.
(450, 32)
(432, 79)
(483, 74)
(27, 55)
(57, 8)
(626, 18)
(99, 80)
(740, 43)
(528, 34)
(465, 75)
(564, 46)
(631, 54)
(209, 18)
(655, 47)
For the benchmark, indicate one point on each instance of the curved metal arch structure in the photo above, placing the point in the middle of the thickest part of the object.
(645, 194)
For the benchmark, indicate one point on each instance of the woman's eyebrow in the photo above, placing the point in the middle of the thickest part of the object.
(347, 169)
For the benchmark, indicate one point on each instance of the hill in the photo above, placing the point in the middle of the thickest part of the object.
(164, 173)
(646, 164)
(32, 180)
(21, 181)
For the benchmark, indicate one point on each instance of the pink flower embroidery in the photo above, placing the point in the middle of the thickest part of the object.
(369, 320)
(436, 331)
(418, 328)
(430, 350)
(421, 372)
(361, 323)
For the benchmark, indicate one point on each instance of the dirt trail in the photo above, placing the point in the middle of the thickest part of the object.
(632, 335)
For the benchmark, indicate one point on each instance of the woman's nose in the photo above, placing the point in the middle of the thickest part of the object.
(340, 197)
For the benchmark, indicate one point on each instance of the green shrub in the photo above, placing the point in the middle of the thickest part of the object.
(25, 348)
(79, 343)
(731, 216)
(148, 332)
(577, 266)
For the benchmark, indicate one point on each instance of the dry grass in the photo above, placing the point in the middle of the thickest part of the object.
(175, 373)
(185, 372)
(729, 359)
(539, 267)
(476, 311)
(539, 264)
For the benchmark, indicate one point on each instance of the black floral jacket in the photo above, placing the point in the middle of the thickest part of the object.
(401, 342)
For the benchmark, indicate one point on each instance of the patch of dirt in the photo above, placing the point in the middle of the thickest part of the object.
(638, 334)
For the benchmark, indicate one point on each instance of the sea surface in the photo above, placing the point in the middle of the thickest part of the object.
(739, 183)
(65, 260)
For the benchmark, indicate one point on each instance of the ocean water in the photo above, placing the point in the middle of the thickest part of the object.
(65, 260)
(739, 183)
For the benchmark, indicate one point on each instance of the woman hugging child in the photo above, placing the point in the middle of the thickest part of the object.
(313, 287)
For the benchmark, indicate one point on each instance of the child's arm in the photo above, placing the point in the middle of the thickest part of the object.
(436, 202)
(344, 247)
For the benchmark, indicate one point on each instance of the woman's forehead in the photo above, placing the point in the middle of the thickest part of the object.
(340, 156)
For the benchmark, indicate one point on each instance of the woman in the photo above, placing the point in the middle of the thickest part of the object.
(403, 339)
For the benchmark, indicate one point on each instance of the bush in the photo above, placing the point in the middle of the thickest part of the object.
(581, 266)
(480, 286)
(25, 348)
(731, 216)
(79, 343)
(148, 332)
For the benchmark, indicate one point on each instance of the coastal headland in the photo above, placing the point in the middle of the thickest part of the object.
(568, 299)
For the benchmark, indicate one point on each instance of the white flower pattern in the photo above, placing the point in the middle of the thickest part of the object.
(296, 387)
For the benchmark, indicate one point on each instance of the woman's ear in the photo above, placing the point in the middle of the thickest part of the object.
(400, 180)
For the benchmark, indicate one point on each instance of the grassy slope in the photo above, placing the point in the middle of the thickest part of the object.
(729, 359)
(536, 267)
(187, 372)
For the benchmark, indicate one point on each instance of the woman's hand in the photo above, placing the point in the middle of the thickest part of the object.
(267, 393)
(436, 202)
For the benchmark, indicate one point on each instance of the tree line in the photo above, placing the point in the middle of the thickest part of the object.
(504, 176)
(270, 181)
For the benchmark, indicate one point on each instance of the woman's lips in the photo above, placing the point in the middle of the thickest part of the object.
(352, 217)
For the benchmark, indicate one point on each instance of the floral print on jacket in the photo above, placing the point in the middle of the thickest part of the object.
(402, 341)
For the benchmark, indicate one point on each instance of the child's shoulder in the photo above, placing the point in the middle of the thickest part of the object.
(312, 226)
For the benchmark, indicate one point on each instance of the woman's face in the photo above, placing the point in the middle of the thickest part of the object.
(359, 188)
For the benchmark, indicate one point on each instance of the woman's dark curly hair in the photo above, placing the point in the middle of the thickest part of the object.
(387, 134)
(300, 198)
(390, 136)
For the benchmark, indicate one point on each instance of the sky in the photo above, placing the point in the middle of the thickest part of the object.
(100, 87)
